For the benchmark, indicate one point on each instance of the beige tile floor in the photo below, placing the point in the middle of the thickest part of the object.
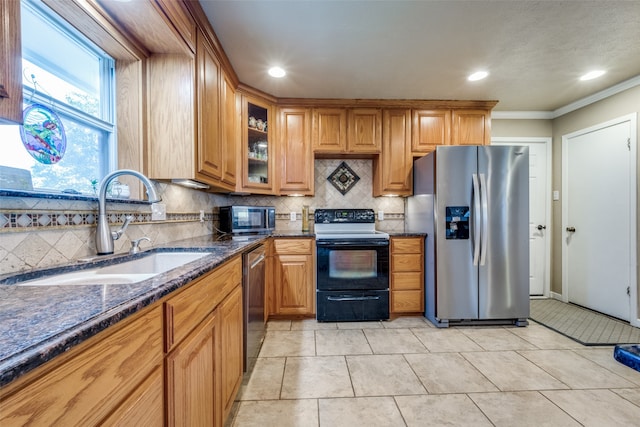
(406, 372)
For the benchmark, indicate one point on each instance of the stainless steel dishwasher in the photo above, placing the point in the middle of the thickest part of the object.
(253, 286)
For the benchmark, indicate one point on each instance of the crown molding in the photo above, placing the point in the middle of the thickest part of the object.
(581, 103)
(520, 115)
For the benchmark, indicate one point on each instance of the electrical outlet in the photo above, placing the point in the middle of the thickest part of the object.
(292, 216)
(556, 195)
(380, 215)
(201, 215)
(158, 212)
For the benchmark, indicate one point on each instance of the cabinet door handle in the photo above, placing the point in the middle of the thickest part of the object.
(3, 92)
(571, 229)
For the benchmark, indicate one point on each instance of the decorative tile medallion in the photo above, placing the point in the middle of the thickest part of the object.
(343, 178)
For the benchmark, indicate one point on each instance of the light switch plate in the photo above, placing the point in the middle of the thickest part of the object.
(556, 195)
(380, 215)
(158, 212)
(292, 216)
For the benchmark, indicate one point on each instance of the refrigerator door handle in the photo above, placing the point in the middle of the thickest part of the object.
(485, 218)
(476, 219)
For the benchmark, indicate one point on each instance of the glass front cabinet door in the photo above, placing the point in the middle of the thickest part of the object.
(257, 147)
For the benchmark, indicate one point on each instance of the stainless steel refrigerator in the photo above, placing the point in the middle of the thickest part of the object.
(473, 203)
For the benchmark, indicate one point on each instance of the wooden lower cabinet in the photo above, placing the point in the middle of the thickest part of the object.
(193, 378)
(204, 360)
(232, 357)
(112, 378)
(144, 407)
(407, 275)
(126, 376)
(293, 277)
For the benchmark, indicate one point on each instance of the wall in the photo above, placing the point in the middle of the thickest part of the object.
(618, 105)
(40, 232)
(521, 128)
(326, 196)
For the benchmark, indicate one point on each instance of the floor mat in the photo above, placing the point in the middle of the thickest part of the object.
(582, 325)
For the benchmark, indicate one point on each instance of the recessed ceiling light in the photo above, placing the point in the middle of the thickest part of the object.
(592, 75)
(478, 75)
(277, 72)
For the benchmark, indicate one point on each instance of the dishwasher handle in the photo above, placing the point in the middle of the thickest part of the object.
(257, 261)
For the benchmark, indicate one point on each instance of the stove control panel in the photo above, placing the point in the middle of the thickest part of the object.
(340, 216)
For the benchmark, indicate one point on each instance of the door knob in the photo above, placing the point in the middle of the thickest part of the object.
(571, 229)
(541, 227)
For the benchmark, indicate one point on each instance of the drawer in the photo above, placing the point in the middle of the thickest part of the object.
(186, 310)
(407, 302)
(406, 245)
(293, 246)
(407, 281)
(406, 262)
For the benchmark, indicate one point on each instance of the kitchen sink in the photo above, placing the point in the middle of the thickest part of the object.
(124, 273)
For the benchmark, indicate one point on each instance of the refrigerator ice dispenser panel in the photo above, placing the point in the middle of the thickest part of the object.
(457, 223)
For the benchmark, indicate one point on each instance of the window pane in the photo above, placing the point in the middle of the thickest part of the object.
(66, 73)
(82, 161)
(46, 46)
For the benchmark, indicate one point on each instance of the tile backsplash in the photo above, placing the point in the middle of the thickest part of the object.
(39, 232)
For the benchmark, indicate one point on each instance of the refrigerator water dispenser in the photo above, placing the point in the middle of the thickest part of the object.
(457, 222)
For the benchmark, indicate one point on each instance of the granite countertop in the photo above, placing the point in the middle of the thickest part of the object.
(38, 323)
(406, 234)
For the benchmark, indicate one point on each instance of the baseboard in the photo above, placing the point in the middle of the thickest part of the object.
(557, 296)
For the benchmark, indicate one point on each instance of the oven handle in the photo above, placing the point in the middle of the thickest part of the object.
(369, 298)
(362, 243)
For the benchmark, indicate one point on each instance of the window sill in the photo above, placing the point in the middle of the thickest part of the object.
(66, 196)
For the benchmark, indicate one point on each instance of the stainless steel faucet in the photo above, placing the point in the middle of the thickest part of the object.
(104, 235)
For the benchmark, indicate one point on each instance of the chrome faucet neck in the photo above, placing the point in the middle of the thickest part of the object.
(104, 237)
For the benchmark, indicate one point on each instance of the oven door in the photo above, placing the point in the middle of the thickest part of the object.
(358, 264)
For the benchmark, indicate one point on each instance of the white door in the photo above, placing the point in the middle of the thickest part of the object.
(539, 209)
(597, 215)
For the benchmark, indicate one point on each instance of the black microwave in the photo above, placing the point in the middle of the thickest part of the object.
(247, 219)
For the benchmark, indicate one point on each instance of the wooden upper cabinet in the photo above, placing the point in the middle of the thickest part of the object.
(257, 147)
(230, 139)
(11, 64)
(471, 127)
(430, 129)
(392, 169)
(364, 130)
(296, 157)
(329, 130)
(208, 78)
(181, 20)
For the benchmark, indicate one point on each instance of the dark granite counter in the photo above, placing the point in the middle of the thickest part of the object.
(406, 234)
(38, 323)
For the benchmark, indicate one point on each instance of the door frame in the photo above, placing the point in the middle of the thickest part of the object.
(633, 218)
(505, 140)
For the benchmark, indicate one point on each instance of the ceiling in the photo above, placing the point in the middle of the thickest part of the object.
(535, 51)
